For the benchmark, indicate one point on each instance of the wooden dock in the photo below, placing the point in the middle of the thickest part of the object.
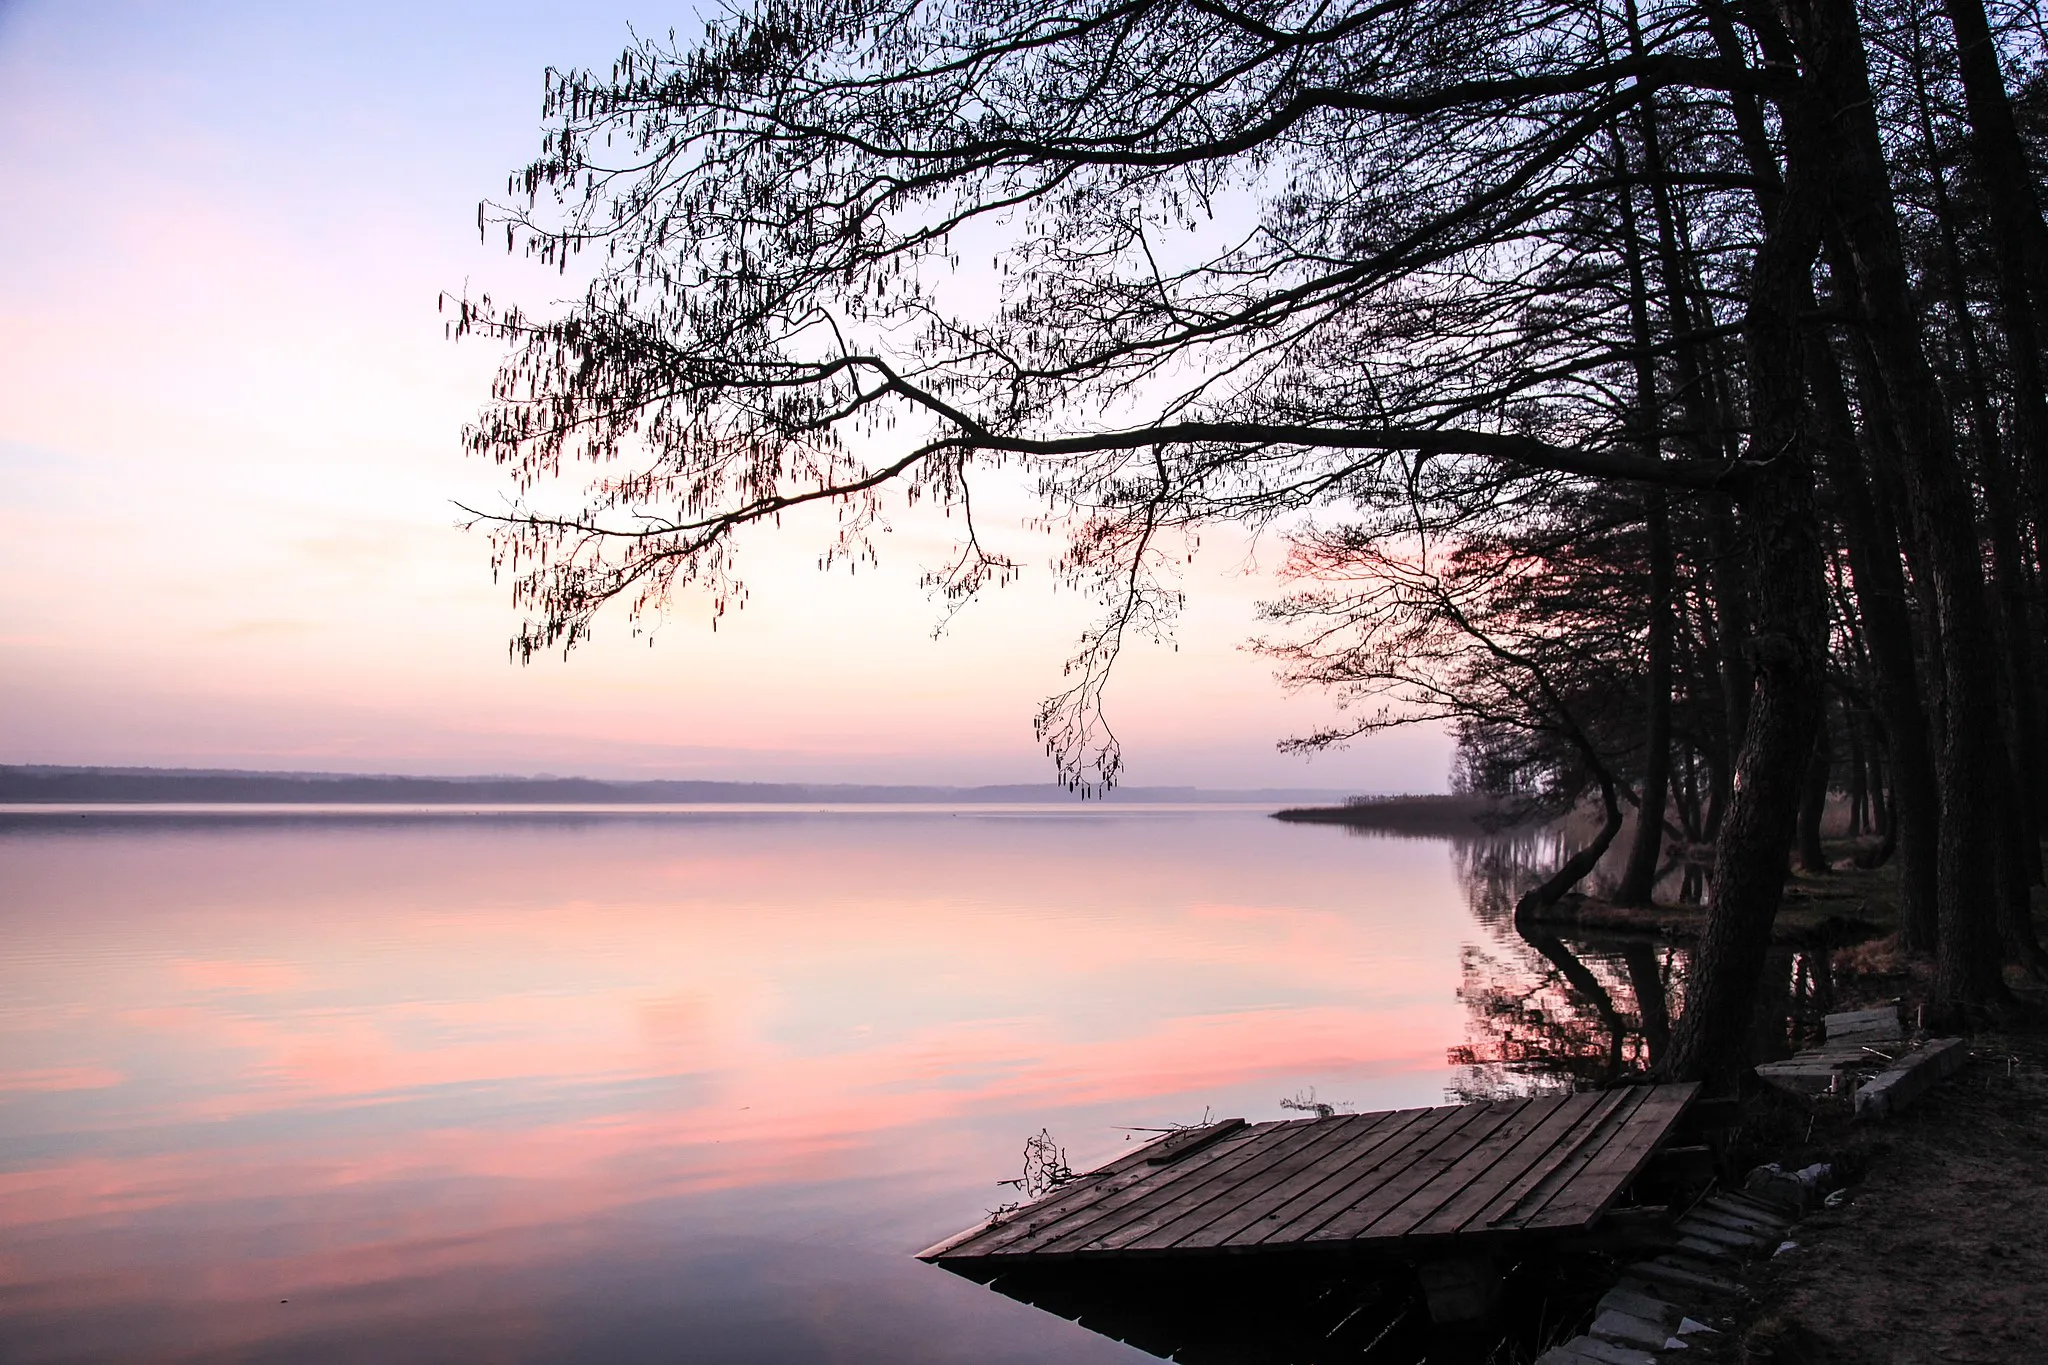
(1409, 1184)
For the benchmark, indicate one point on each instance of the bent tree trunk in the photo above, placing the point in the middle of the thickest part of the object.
(1559, 883)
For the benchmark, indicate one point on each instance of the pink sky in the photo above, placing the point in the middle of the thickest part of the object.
(228, 448)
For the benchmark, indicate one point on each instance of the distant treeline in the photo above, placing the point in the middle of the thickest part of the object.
(1412, 814)
(32, 783)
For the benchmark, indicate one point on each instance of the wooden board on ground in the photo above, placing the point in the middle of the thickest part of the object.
(1388, 1182)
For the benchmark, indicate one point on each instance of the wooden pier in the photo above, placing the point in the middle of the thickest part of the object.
(1420, 1185)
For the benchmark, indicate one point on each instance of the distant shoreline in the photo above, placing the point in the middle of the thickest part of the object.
(1454, 814)
(34, 784)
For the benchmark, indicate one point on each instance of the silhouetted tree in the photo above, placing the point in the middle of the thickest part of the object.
(1467, 272)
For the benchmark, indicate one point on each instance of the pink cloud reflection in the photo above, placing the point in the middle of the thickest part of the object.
(347, 1056)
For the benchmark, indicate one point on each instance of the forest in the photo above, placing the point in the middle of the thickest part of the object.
(1651, 392)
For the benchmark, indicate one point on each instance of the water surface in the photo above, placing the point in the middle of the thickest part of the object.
(685, 1085)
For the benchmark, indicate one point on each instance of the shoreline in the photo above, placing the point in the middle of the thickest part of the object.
(1426, 815)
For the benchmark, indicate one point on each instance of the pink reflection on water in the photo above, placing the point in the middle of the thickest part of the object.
(376, 1056)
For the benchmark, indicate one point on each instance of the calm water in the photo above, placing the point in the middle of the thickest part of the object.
(683, 1086)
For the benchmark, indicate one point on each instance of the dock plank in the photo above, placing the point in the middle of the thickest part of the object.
(1558, 1170)
(1608, 1172)
(1585, 1123)
(1119, 1208)
(1478, 1170)
(1363, 1183)
(1243, 1224)
(1070, 1200)
(1225, 1189)
(1526, 1156)
(1419, 1177)
(1612, 1131)
(1257, 1189)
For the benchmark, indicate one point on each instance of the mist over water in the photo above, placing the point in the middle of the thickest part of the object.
(680, 1085)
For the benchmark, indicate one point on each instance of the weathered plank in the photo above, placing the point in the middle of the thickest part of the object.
(1335, 1197)
(1863, 1025)
(1297, 1197)
(1223, 1186)
(1248, 1223)
(1647, 1307)
(1526, 1156)
(1311, 1202)
(1608, 1172)
(1199, 1171)
(1764, 1213)
(1498, 1210)
(1565, 1166)
(1259, 1191)
(1174, 1146)
(1912, 1076)
(1475, 1171)
(1068, 1201)
(1419, 1175)
(1116, 1208)
(1626, 1329)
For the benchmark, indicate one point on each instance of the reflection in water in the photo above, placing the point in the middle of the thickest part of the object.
(1547, 1012)
(633, 1087)
(537, 1088)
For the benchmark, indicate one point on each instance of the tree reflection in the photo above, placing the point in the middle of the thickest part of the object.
(1550, 1012)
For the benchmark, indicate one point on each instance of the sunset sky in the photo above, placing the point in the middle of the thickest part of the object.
(228, 450)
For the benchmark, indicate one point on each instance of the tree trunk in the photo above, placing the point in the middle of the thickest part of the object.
(2019, 237)
(1781, 526)
(1859, 786)
(1813, 803)
(2021, 823)
(1645, 852)
(1554, 888)
(1880, 584)
(1646, 983)
(1639, 876)
(1881, 817)
(1847, 142)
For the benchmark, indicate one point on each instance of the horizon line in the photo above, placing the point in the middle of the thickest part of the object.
(41, 782)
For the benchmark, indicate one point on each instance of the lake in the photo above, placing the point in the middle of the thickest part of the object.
(661, 1085)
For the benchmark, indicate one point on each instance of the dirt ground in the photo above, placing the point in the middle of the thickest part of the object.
(1939, 1251)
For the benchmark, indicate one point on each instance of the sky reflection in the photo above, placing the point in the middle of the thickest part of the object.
(531, 1089)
